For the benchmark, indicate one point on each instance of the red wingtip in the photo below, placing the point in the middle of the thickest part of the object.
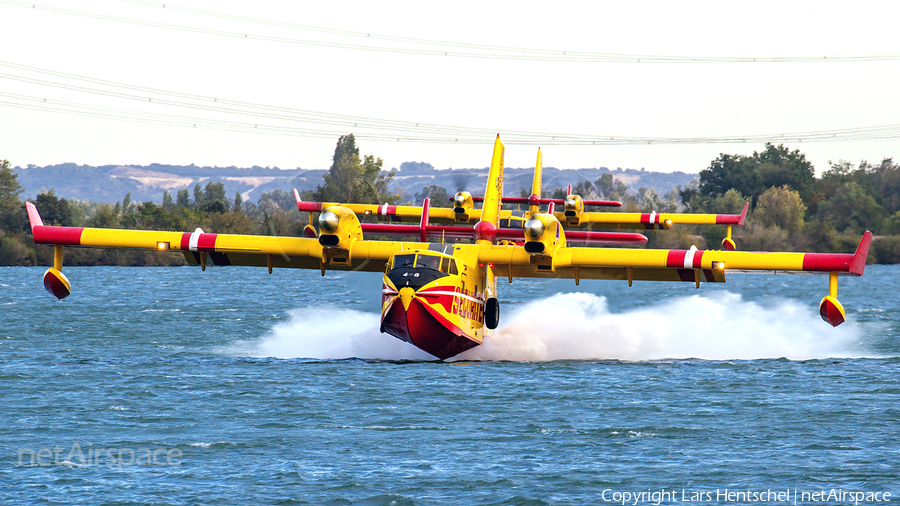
(744, 213)
(858, 264)
(33, 217)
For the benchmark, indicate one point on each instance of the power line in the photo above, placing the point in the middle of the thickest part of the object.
(400, 130)
(485, 51)
(486, 47)
(72, 108)
(220, 105)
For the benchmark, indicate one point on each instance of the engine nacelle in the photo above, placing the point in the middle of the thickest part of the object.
(574, 209)
(543, 236)
(338, 229)
(462, 204)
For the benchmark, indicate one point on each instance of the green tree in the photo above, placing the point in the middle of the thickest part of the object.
(167, 200)
(198, 196)
(881, 182)
(584, 189)
(352, 180)
(729, 172)
(556, 193)
(214, 199)
(230, 223)
(105, 217)
(439, 196)
(851, 209)
(53, 210)
(778, 166)
(14, 252)
(12, 216)
(610, 188)
(183, 199)
(891, 226)
(781, 207)
(886, 184)
(752, 175)
(279, 199)
(126, 204)
(149, 216)
(237, 202)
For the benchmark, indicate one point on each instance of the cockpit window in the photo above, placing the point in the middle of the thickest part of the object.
(440, 263)
(512, 222)
(404, 261)
(429, 261)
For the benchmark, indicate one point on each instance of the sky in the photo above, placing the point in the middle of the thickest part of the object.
(131, 82)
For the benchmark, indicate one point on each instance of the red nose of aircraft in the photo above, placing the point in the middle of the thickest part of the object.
(411, 318)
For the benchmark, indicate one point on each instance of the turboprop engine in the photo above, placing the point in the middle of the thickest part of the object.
(338, 229)
(543, 236)
(574, 208)
(462, 204)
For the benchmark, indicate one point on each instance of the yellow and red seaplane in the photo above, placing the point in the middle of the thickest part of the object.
(442, 296)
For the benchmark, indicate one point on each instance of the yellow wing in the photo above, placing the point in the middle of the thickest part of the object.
(340, 249)
(552, 259)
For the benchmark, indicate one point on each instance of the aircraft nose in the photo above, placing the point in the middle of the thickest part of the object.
(406, 296)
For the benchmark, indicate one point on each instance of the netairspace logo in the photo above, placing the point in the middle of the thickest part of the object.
(90, 456)
(779, 496)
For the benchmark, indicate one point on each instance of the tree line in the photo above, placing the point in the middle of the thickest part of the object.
(350, 179)
(791, 209)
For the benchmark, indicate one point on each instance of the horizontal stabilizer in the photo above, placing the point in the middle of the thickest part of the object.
(532, 200)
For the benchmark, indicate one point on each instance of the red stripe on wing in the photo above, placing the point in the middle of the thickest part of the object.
(65, 236)
(827, 262)
(675, 259)
(698, 255)
(206, 242)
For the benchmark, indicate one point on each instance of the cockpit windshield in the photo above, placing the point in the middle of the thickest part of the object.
(404, 261)
(436, 262)
(429, 262)
(418, 269)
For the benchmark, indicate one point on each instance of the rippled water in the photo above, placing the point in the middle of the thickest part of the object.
(583, 389)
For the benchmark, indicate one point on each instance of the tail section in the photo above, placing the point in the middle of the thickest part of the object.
(493, 195)
(534, 200)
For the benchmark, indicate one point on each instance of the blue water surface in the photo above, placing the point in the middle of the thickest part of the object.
(180, 361)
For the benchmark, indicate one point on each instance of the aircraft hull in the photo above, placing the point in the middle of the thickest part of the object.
(425, 328)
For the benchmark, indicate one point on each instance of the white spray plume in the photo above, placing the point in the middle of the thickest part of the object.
(579, 326)
(331, 333)
(722, 327)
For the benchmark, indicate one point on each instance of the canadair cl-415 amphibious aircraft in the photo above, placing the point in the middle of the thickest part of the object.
(442, 296)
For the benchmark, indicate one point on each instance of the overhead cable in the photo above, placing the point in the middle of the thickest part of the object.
(482, 52)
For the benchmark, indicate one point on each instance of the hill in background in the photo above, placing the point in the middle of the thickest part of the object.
(110, 183)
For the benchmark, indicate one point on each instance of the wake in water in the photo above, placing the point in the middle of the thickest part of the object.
(579, 326)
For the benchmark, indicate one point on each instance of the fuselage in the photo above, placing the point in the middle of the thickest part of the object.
(435, 299)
